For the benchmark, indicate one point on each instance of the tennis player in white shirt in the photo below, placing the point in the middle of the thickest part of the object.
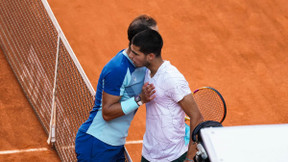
(165, 125)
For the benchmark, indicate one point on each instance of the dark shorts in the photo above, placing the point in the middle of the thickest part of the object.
(180, 159)
(90, 149)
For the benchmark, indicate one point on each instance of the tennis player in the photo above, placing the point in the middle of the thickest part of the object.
(165, 126)
(103, 135)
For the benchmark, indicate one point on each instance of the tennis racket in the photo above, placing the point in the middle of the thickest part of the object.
(213, 109)
(210, 103)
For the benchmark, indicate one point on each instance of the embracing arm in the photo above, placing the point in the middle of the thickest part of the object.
(190, 107)
(111, 105)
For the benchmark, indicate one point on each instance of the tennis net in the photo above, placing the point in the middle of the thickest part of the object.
(43, 62)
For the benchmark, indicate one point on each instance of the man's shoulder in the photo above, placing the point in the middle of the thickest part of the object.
(171, 77)
(171, 73)
(118, 63)
(117, 59)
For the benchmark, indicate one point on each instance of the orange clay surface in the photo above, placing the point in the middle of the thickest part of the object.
(238, 47)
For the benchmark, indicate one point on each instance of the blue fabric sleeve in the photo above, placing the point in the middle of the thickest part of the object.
(113, 81)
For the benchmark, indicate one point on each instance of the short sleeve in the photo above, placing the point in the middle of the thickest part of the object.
(113, 81)
(177, 89)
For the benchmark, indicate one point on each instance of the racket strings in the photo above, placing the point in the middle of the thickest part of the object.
(210, 104)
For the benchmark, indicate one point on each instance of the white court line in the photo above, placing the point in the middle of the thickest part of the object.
(45, 149)
(134, 142)
(23, 150)
(127, 143)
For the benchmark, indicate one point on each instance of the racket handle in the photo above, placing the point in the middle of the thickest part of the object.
(201, 151)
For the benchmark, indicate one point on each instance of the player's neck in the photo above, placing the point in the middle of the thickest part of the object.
(127, 50)
(154, 66)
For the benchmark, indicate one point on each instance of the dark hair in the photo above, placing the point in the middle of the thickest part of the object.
(149, 41)
(139, 24)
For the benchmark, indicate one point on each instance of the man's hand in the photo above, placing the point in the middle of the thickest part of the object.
(147, 93)
(111, 107)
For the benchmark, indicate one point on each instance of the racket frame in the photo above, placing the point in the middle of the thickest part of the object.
(221, 97)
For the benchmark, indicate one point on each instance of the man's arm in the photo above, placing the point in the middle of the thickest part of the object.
(190, 107)
(111, 105)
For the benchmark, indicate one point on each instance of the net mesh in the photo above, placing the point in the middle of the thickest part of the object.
(28, 39)
(211, 105)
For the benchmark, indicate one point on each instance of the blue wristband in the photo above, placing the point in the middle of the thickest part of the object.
(129, 105)
(189, 159)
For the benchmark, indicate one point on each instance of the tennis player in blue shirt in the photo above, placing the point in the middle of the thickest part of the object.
(120, 91)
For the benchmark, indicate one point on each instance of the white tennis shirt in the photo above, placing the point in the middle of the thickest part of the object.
(165, 125)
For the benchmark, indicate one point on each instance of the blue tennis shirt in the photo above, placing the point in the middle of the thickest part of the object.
(119, 77)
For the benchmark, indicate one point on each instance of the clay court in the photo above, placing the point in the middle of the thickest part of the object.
(238, 47)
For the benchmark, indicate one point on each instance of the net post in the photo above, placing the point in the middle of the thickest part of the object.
(52, 127)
